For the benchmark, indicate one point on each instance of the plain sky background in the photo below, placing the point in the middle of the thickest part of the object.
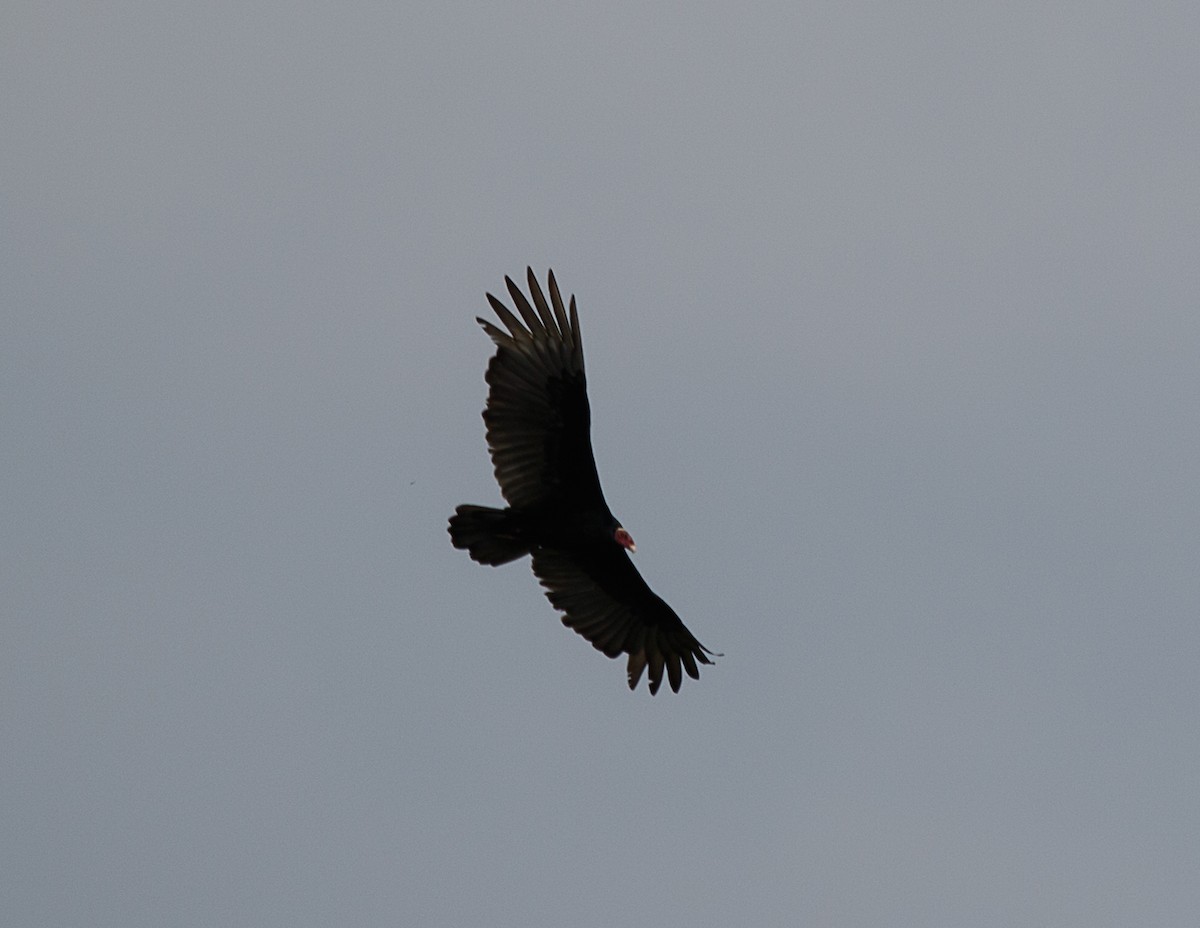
(892, 314)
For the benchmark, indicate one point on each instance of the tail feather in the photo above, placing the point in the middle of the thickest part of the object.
(490, 536)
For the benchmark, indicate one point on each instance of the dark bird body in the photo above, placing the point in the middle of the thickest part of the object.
(539, 435)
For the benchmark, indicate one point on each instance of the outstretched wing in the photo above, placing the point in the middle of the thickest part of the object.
(606, 601)
(537, 416)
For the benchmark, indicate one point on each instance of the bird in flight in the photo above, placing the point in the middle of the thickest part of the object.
(538, 426)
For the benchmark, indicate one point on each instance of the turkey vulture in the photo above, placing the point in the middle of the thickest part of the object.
(538, 432)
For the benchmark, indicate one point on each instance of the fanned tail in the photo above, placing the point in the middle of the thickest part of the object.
(489, 535)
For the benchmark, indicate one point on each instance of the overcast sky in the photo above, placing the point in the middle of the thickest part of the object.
(892, 316)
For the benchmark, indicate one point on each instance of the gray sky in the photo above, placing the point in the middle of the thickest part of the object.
(891, 313)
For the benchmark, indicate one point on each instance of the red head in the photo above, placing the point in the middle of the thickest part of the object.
(624, 539)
